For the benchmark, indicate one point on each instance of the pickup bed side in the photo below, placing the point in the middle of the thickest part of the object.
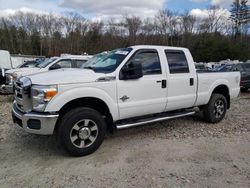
(226, 83)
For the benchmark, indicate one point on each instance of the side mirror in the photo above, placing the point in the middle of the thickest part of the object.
(131, 71)
(55, 66)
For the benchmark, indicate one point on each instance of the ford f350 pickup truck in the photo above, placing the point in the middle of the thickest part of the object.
(120, 89)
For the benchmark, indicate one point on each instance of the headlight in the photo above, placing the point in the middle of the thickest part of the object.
(41, 95)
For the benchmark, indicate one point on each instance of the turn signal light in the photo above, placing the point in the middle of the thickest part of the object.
(49, 94)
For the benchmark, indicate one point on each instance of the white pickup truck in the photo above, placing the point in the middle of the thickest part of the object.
(69, 61)
(120, 89)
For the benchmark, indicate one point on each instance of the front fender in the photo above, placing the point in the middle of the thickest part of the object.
(63, 97)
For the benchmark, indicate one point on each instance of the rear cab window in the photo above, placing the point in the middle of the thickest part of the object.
(177, 61)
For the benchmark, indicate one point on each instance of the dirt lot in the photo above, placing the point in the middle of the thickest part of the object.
(179, 153)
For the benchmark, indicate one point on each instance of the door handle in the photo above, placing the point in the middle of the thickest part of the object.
(163, 83)
(191, 81)
(124, 98)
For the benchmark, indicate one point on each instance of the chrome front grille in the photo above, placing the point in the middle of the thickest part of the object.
(22, 96)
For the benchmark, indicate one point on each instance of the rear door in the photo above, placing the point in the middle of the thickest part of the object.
(181, 82)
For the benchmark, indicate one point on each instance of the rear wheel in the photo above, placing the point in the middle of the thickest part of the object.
(216, 108)
(81, 131)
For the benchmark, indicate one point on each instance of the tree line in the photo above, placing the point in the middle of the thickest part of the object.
(210, 38)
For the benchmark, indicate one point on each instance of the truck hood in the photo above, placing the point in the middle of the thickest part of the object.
(65, 76)
(23, 71)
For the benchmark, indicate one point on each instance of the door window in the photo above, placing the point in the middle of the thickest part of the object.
(177, 61)
(79, 63)
(65, 64)
(150, 61)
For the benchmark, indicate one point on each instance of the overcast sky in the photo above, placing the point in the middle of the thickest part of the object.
(109, 8)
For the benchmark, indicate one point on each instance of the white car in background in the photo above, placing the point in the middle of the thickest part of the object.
(70, 61)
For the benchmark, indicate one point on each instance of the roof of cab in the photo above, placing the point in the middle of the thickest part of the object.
(157, 47)
(80, 57)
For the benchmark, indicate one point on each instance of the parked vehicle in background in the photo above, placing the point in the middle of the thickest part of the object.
(5, 64)
(48, 65)
(121, 89)
(8, 61)
(244, 69)
(201, 67)
(224, 68)
(31, 64)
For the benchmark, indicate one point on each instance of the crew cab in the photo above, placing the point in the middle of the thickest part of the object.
(70, 61)
(119, 89)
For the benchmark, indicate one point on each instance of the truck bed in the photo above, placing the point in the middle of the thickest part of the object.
(207, 81)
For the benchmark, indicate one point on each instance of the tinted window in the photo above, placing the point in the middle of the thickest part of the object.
(246, 66)
(150, 61)
(64, 64)
(238, 68)
(177, 61)
(79, 63)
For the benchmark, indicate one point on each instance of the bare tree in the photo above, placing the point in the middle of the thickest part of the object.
(133, 24)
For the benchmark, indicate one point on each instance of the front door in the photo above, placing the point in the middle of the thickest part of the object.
(146, 95)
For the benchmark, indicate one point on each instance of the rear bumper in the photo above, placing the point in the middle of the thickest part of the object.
(36, 123)
(6, 89)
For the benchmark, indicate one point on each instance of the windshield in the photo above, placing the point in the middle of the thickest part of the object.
(27, 64)
(107, 62)
(46, 63)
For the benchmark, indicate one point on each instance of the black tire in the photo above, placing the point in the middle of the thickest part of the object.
(213, 113)
(67, 131)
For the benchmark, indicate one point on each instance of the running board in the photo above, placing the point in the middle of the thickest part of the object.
(153, 120)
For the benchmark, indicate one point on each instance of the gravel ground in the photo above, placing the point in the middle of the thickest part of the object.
(184, 152)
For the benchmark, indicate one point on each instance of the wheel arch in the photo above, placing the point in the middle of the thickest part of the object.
(223, 90)
(90, 102)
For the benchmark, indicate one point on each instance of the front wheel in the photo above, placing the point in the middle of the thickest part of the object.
(216, 108)
(81, 131)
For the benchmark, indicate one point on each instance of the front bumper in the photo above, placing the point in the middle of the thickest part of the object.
(6, 89)
(33, 122)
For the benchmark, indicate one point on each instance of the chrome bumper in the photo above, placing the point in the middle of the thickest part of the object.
(6, 89)
(32, 122)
